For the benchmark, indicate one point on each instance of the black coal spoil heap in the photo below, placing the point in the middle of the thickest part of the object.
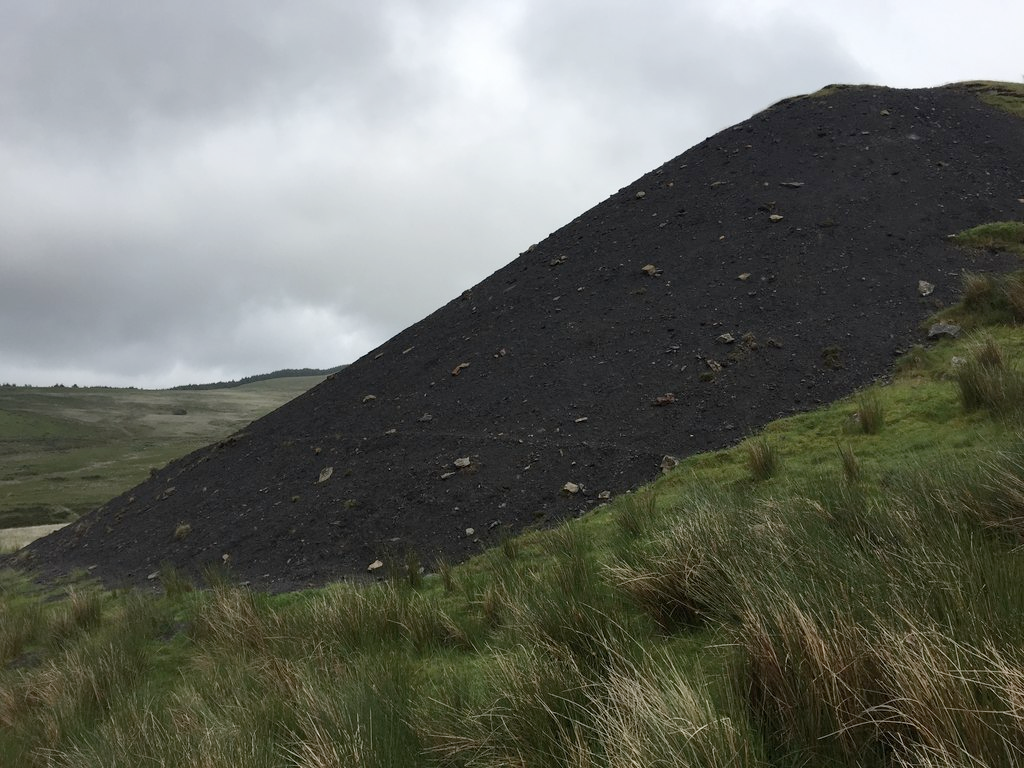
(801, 234)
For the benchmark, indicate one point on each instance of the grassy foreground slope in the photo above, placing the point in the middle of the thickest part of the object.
(66, 450)
(840, 590)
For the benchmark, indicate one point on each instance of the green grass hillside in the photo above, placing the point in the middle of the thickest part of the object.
(842, 589)
(66, 450)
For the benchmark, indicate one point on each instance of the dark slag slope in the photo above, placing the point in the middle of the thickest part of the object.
(569, 346)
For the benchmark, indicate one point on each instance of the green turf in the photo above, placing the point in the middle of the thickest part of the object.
(1007, 96)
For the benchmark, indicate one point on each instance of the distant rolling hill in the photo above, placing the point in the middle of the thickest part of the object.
(284, 373)
(66, 450)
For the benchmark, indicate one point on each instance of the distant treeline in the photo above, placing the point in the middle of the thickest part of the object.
(283, 373)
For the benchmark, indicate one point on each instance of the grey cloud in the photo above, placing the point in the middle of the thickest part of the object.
(97, 74)
(674, 67)
(209, 190)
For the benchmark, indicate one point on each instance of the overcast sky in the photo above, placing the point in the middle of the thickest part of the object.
(197, 191)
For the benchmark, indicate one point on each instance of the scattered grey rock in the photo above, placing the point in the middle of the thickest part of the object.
(641, 195)
(667, 399)
(650, 269)
(375, 565)
(458, 368)
(425, 418)
(580, 420)
(884, 113)
(668, 463)
(726, 338)
(470, 531)
(369, 398)
(325, 474)
(775, 217)
(791, 184)
(464, 461)
(604, 495)
(714, 365)
(571, 488)
(956, 361)
(154, 575)
(925, 288)
(745, 276)
(446, 475)
(940, 330)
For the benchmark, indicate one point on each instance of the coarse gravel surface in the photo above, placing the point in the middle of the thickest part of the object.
(801, 233)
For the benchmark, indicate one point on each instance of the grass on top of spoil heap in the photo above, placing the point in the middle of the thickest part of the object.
(1005, 96)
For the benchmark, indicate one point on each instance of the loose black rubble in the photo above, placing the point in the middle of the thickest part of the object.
(770, 268)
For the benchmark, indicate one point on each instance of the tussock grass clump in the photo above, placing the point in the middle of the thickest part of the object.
(990, 492)
(636, 513)
(567, 540)
(1013, 289)
(834, 688)
(987, 353)
(986, 380)
(387, 615)
(568, 606)
(658, 714)
(492, 605)
(445, 571)
(413, 569)
(21, 624)
(870, 413)
(543, 708)
(799, 677)
(366, 720)
(175, 582)
(978, 290)
(510, 547)
(848, 461)
(80, 611)
(532, 711)
(678, 578)
(234, 619)
(76, 686)
(762, 459)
